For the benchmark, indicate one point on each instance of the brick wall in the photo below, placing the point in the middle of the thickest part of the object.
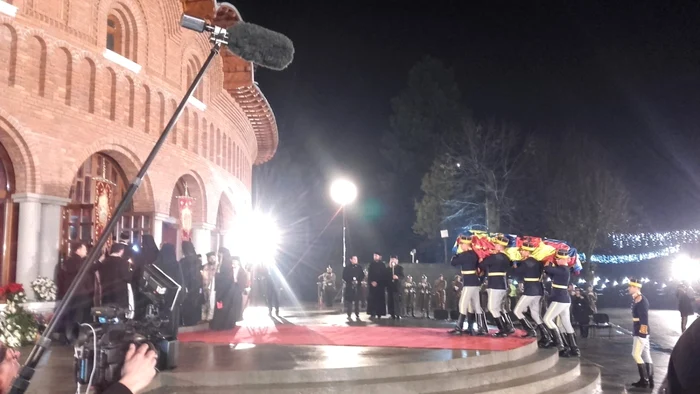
(63, 101)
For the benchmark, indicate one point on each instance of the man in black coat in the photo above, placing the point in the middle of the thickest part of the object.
(376, 276)
(394, 287)
(115, 278)
(353, 276)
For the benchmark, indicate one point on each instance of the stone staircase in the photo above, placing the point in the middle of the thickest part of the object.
(526, 370)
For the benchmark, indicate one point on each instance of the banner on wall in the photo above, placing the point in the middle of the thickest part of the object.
(185, 204)
(103, 204)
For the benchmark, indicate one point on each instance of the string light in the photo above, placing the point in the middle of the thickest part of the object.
(633, 258)
(641, 240)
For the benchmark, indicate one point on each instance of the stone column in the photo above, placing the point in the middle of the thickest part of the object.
(157, 229)
(50, 234)
(28, 232)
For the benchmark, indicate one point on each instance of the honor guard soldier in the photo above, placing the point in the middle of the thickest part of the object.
(496, 266)
(640, 345)
(409, 291)
(440, 292)
(353, 276)
(531, 270)
(328, 286)
(469, 303)
(424, 296)
(561, 305)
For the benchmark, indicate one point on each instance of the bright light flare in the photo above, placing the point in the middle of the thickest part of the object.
(260, 238)
(343, 192)
(685, 268)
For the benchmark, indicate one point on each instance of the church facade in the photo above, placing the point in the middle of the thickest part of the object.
(87, 88)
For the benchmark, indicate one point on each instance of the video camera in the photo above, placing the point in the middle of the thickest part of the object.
(100, 349)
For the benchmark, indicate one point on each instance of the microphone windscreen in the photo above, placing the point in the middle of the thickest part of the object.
(259, 45)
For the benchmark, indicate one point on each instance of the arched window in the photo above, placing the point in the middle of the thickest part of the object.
(79, 215)
(122, 36)
(192, 70)
(115, 33)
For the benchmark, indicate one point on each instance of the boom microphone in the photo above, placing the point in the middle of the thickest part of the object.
(259, 45)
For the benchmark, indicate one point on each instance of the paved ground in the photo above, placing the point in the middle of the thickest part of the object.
(610, 350)
(613, 354)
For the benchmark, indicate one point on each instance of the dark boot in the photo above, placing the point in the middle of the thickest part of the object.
(502, 330)
(527, 326)
(650, 374)
(471, 318)
(459, 327)
(508, 323)
(559, 342)
(546, 341)
(643, 377)
(482, 327)
(573, 347)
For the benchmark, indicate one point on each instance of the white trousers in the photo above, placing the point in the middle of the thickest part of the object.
(469, 301)
(496, 297)
(561, 310)
(640, 350)
(531, 302)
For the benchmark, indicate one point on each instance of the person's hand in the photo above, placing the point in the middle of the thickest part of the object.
(139, 368)
(396, 277)
(374, 284)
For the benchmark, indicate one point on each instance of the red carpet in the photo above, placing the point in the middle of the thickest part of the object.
(405, 337)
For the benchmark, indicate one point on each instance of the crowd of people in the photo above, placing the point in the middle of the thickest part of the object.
(213, 290)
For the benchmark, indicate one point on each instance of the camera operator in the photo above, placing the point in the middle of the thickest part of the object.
(115, 278)
(138, 371)
(9, 367)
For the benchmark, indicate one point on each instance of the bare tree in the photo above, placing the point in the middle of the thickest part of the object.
(472, 181)
(587, 200)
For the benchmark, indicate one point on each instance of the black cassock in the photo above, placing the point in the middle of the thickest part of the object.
(395, 290)
(376, 302)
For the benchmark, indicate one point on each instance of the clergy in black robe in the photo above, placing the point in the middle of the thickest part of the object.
(394, 291)
(167, 262)
(376, 276)
(225, 306)
(191, 266)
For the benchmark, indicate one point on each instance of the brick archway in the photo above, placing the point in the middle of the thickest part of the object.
(129, 163)
(196, 189)
(23, 162)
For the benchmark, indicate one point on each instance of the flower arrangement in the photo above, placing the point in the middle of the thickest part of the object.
(17, 326)
(44, 289)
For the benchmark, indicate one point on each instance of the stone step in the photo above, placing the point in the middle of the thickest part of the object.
(561, 374)
(339, 375)
(457, 380)
(587, 383)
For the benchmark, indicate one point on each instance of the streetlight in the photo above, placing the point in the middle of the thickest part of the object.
(343, 192)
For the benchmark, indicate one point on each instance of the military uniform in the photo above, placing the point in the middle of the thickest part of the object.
(640, 345)
(530, 271)
(328, 287)
(469, 303)
(440, 293)
(454, 293)
(496, 266)
(423, 296)
(409, 292)
(560, 307)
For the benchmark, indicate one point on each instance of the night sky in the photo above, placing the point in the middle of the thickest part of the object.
(627, 74)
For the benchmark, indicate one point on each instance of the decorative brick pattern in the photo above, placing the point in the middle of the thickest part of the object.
(63, 101)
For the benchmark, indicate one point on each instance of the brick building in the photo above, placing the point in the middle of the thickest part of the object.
(87, 87)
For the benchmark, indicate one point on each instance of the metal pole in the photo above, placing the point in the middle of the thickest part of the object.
(22, 381)
(342, 297)
(344, 244)
(444, 241)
